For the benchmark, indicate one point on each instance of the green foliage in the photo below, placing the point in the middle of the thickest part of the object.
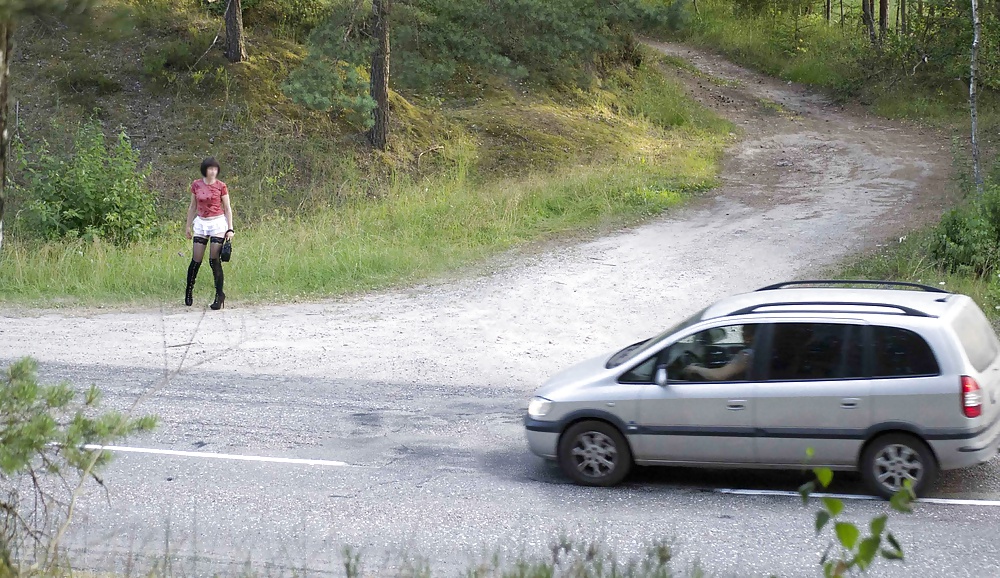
(967, 240)
(793, 39)
(334, 78)
(47, 432)
(554, 41)
(96, 191)
(677, 16)
(292, 18)
(851, 550)
(431, 44)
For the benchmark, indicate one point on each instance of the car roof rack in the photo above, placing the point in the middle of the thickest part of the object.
(903, 310)
(787, 284)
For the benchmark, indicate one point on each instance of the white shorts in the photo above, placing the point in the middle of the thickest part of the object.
(211, 227)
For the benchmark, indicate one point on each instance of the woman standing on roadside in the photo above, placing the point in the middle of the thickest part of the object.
(209, 219)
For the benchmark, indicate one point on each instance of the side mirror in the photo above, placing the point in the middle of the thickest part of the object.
(661, 375)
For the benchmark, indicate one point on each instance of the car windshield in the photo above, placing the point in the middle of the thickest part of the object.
(640, 347)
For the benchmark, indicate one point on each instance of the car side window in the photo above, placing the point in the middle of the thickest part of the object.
(814, 351)
(716, 354)
(902, 353)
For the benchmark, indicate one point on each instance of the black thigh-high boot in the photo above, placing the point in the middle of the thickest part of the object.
(220, 297)
(192, 275)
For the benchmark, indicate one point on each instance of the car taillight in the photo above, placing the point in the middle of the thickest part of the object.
(972, 397)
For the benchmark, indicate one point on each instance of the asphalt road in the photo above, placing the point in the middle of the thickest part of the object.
(443, 474)
(409, 402)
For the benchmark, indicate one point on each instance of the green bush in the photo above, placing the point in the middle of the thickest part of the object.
(46, 432)
(677, 16)
(93, 192)
(967, 240)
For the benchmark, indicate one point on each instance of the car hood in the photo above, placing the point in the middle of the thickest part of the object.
(574, 377)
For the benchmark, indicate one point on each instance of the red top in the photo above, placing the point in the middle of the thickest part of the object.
(209, 197)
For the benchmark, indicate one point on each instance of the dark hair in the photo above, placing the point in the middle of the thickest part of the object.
(209, 162)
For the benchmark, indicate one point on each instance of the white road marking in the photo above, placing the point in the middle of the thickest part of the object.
(784, 493)
(215, 456)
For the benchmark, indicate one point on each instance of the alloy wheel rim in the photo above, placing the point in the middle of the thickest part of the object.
(895, 464)
(595, 455)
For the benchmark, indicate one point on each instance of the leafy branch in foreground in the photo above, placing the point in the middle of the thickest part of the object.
(47, 450)
(850, 552)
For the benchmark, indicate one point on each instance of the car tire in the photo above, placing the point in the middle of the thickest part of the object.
(891, 459)
(594, 453)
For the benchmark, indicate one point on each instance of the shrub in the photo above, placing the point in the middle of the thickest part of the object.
(94, 192)
(967, 240)
(46, 431)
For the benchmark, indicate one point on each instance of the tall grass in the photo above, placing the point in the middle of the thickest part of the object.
(418, 230)
(805, 49)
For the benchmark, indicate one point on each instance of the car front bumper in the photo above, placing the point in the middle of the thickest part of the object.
(543, 437)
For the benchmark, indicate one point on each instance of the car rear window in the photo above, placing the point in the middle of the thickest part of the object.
(902, 353)
(977, 336)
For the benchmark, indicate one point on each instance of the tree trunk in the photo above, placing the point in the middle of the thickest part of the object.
(378, 135)
(973, 69)
(904, 25)
(869, 19)
(695, 4)
(828, 11)
(6, 29)
(883, 18)
(236, 49)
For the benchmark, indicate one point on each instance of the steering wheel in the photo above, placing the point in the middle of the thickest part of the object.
(683, 360)
(689, 357)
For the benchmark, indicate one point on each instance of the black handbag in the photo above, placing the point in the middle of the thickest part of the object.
(227, 251)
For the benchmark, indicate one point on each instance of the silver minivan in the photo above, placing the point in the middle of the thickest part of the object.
(895, 382)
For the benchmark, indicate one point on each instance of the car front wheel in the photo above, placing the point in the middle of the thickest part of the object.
(891, 461)
(594, 453)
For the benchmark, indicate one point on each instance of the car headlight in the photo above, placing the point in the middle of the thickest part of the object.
(539, 407)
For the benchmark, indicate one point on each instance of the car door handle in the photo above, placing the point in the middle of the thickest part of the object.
(850, 402)
(736, 404)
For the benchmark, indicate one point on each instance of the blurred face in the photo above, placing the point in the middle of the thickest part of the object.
(211, 173)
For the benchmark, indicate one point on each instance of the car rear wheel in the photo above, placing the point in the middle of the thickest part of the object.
(594, 453)
(892, 460)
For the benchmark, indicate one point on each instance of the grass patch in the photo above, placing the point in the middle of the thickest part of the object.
(807, 51)
(420, 229)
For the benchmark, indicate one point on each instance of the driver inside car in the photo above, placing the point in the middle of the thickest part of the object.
(736, 368)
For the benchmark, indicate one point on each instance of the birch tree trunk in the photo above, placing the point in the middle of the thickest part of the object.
(973, 70)
(6, 29)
